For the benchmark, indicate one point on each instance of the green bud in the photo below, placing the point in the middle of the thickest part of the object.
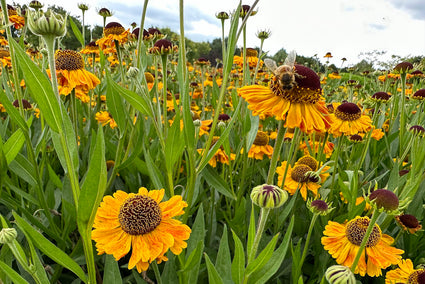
(132, 72)
(7, 235)
(268, 196)
(48, 23)
(339, 274)
(197, 123)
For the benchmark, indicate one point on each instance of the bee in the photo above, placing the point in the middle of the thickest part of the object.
(285, 74)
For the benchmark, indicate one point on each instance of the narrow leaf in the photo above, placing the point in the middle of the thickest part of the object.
(12, 274)
(40, 88)
(263, 258)
(48, 248)
(76, 31)
(13, 145)
(213, 276)
(11, 110)
(251, 231)
(111, 272)
(115, 103)
(94, 184)
(238, 264)
(223, 262)
(264, 274)
(217, 182)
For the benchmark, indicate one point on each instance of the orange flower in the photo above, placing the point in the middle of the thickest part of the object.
(342, 241)
(141, 223)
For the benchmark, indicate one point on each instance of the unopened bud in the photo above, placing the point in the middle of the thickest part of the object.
(268, 196)
(339, 274)
(7, 235)
(48, 23)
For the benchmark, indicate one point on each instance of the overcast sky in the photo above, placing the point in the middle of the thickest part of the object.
(344, 27)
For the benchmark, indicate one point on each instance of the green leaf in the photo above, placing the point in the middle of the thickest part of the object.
(198, 230)
(115, 103)
(238, 264)
(224, 136)
(139, 102)
(254, 122)
(154, 173)
(13, 145)
(263, 258)
(48, 248)
(71, 143)
(223, 262)
(76, 31)
(217, 182)
(111, 272)
(251, 231)
(40, 272)
(24, 169)
(94, 184)
(12, 274)
(213, 276)
(264, 274)
(192, 264)
(174, 144)
(40, 88)
(11, 110)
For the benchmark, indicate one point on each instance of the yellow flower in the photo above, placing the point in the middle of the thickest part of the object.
(301, 106)
(298, 177)
(219, 156)
(113, 32)
(348, 120)
(342, 241)
(260, 147)
(105, 117)
(405, 273)
(142, 223)
(72, 75)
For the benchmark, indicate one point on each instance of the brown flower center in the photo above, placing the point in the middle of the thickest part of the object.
(139, 215)
(409, 221)
(299, 173)
(113, 28)
(68, 60)
(261, 139)
(417, 277)
(4, 53)
(348, 112)
(296, 94)
(356, 230)
(308, 161)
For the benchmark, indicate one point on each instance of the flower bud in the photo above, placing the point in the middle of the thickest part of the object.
(339, 274)
(7, 235)
(48, 23)
(132, 72)
(268, 196)
(222, 16)
(265, 34)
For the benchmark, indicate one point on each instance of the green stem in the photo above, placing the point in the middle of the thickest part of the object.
(258, 62)
(372, 222)
(276, 152)
(403, 112)
(264, 213)
(307, 241)
(164, 94)
(156, 271)
(140, 39)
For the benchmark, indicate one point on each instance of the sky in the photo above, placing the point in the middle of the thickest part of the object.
(346, 28)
